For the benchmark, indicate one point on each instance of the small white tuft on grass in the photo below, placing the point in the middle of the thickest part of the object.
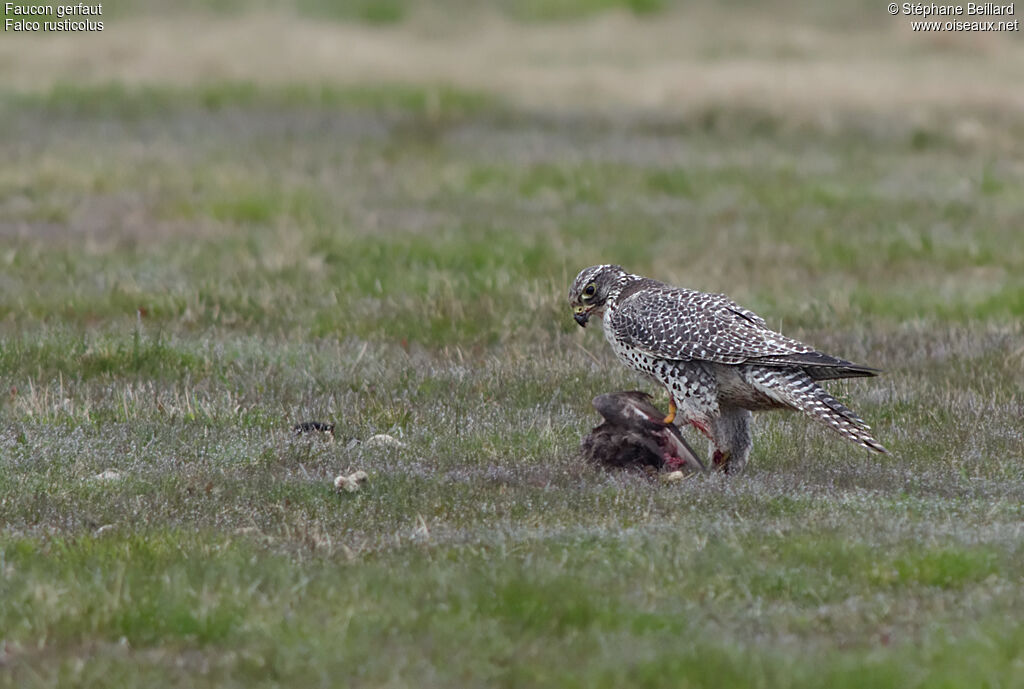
(383, 440)
(352, 482)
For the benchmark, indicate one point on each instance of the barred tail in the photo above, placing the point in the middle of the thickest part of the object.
(796, 389)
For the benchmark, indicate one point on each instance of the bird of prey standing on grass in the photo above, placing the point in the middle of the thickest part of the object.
(717, 360)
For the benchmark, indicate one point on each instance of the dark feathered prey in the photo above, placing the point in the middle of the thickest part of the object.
(313, 427)
(717, 360)
(634, 434)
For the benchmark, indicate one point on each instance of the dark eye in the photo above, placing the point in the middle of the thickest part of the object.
(590, 290)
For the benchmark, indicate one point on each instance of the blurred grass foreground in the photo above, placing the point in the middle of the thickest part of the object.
(218, 219)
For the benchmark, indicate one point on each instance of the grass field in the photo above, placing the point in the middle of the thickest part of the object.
(191, 262)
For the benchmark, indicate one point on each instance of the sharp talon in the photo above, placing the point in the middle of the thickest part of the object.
(671, 411)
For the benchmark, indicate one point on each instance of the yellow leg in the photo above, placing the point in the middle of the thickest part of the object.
(721, 460)
(671, 410)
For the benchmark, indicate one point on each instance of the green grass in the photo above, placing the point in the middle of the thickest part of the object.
(115, 100)
(185, 273)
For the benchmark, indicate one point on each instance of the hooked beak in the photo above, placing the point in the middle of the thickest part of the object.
(581, 315)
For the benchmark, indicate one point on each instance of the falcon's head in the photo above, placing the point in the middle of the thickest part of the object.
(592, 288)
